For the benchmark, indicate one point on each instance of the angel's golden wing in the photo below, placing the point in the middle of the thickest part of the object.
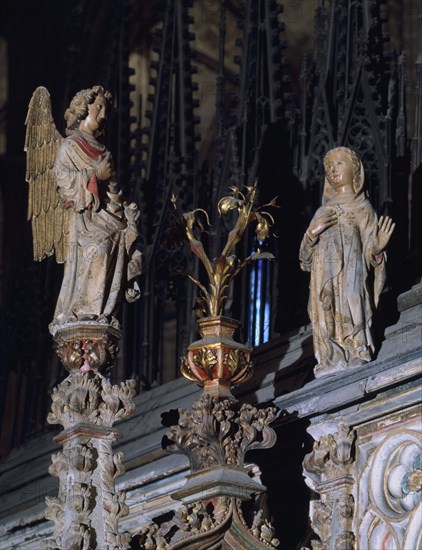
(45, 209)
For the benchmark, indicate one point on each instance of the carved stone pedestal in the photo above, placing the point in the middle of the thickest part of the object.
(218, 431)
(87, 509)
(215, 434)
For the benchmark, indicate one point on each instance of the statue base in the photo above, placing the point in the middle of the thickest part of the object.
(330, 370)
(86, 345)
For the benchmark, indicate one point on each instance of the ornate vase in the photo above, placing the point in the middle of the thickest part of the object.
(217, 361)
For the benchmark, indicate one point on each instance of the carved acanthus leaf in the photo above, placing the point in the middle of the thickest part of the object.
(219, 432)
(84, 346)
(54, 509)
(190, 524)
(58, 466)
(346, 541)
(90, 398)
(151, 538)
(341, 451)
(117, 402)
(263, 530)
(186, 370)
(205, 358)
(321, 520)
(329, 469)
(194, 519)
(70, 354)
(79, 538)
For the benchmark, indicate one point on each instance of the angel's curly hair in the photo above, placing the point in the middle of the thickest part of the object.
(78, 108)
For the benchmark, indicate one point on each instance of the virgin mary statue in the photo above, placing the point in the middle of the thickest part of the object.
(343, 244)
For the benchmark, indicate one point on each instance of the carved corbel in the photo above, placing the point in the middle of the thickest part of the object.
(86, 346)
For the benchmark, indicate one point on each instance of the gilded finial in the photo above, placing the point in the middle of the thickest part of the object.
(222, 270)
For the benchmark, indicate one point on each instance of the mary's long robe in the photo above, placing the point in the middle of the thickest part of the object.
(342, 298)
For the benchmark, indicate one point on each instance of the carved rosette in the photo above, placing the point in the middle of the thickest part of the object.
(328, 471)
(392, 479)
(87, 509)
(217, 361)
(87, 345)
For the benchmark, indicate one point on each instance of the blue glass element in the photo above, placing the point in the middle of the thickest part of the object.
(251, 323)
(260, 303)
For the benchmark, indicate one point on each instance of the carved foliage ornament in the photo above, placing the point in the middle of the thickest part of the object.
(331, 453)
(87, 354)
(219, 432)
(204, 364)
(217, 524)
(87, 509)
(90, 398)
(87, 345)
(87, 473)
(215, 434)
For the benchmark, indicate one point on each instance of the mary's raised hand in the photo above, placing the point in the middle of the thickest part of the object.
(385, 230)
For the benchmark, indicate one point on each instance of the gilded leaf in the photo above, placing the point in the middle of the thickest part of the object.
(206, 359)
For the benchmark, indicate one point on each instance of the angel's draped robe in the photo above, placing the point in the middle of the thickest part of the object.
(101, 263)
(342, 298)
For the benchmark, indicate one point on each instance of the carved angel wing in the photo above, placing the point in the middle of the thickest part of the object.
(45, 209)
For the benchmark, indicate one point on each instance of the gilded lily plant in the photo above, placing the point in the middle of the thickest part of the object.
(222, 270)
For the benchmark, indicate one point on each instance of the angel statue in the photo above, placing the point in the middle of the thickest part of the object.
(77, 210)
(343, 244)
